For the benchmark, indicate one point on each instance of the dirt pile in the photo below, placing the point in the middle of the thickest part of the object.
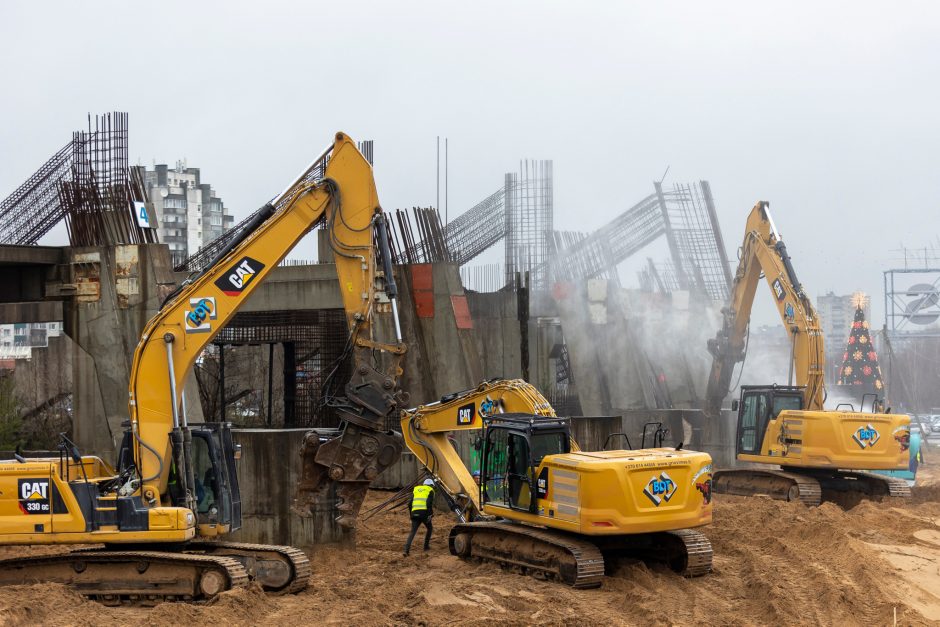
(775, 563)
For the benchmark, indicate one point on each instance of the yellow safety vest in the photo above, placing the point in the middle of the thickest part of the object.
(419, 501)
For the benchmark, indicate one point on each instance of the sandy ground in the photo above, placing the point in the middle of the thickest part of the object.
(775, 563)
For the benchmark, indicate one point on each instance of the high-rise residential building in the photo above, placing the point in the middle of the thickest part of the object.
(188, 210)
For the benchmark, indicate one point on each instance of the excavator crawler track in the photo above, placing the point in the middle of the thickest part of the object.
(130, 577)
(865, 483)
(777, 484)
(686, 551)
(279, 569)
(540, 552)
(810, 486)
(899, 489)
(576, 561)
(698, 552)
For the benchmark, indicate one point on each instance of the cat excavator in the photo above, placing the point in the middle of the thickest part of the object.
(793, 448)
(163, 510)
(549, 509)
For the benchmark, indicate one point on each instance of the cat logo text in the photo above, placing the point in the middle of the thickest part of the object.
(239, 276)
(465, 415)
(34, 496)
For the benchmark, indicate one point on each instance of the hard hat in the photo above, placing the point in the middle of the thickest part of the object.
(476, 473)
(429, 482)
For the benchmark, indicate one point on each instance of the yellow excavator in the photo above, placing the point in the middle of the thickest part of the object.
(549, 509)
(162, 511)
(796, 450)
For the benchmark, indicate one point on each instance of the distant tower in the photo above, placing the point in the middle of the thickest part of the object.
(188, 210)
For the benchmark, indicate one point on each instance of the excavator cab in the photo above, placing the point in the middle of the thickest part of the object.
(759, 405)
(513, 449)
(218, 504)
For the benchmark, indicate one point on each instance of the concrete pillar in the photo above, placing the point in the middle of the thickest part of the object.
(496, 333)
(442, 346)
(119, 289)
(268, 474)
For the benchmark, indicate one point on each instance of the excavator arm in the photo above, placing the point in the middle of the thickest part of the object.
(426, 428)
(763, 253)
(347, 201)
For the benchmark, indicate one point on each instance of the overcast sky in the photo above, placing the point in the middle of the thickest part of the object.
(830, 110)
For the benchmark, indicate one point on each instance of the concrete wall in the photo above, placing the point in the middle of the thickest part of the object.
(25, 271)
(34, 311)
(584, 336)
(631, 350)
(46, 375)
(268, 474)
(441, 357)
(496, 333)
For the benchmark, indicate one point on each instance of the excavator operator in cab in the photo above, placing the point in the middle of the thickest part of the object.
(421, 507)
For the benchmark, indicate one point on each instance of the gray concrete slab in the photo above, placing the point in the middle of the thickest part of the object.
(31, 311)
(31, 255)
(268, 474)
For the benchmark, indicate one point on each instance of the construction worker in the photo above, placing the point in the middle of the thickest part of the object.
(421, 506)
(476, 480)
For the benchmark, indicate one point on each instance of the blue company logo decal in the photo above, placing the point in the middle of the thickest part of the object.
(489, 407)
(197, 319)
(866, 436)
(788, 311)
(661, 488)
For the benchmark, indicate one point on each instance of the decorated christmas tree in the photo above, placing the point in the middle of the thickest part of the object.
(860, 361)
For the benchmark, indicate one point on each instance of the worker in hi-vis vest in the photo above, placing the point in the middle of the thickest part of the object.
(421, 506)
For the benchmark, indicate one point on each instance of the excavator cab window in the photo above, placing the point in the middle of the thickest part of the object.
(214, 472)
(519, 472)
(752, 421)
(495, 454)
(507, 471)
(758, 407)
(787, 402)
(513, 449)
(207, 484)
(549, 443)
